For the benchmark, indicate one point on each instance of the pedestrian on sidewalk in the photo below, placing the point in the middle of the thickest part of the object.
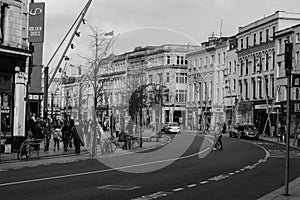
(66, 134)
(118, 129)
(56, 135)
(48, 131)
(76, 137)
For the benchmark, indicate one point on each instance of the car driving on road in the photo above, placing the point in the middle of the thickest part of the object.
(171, 127)
(244, 131)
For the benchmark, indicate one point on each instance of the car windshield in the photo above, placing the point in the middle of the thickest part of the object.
(173, 124)
(249, 126)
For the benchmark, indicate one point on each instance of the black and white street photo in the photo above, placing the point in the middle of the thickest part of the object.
(149, 99)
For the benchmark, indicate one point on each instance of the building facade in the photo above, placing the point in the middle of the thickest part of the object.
(256, 67)
(206, 83)
(288, 35)
(14, 59)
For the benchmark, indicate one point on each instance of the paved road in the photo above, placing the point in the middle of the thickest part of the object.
(240, 171)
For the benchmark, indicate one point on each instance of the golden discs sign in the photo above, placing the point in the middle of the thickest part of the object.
(36, 22)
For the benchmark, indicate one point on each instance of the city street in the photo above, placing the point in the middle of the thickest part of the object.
(242, 170)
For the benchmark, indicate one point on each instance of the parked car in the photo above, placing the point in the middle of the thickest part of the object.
(244, 131)
(171, 127)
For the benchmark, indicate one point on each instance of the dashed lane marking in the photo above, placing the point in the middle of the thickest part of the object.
(203, 182)
(192, 185)
(177, 189)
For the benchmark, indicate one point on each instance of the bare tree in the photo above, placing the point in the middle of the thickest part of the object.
(99, 45)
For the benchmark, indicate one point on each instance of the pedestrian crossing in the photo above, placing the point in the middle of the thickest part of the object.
(275, 153)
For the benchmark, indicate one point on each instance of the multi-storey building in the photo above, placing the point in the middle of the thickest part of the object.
(164, 65)
(288, 35)
(206, 85)
(14, 59)
(256, 66)
(230, 78)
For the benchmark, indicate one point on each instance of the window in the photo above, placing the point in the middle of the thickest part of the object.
(200, 62)
(229, 67)
(279, 70)
(178, 60)
(206, 60)
(168, 77)
(279, 48)
(242, 43)
(297, 60)
(224, 58)
(212, 58)
(3, 8)
(253, 88)
(267, 35)
(150, 78)
(168, 60)
(254, 64)
(273, 29)
(219, 58)
(267, 62)
(273, 60)
(182, 60)
(234, 67)
(181, 96)
(234, 84)
(297, 37)
(267, 86)
(272, 86)
(260, 37)
(181, 78)
(242, 65)
(247, 67)
(246, 89)
(241, 87)
(247, 42)
(254, 39)
(259, 81)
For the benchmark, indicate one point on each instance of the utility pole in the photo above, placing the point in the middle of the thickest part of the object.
(288, 67)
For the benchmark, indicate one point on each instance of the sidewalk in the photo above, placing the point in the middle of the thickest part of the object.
(294, 186)
(10, 161)
(294, 191)
(275, 140)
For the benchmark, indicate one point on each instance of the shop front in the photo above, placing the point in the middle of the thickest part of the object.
(12, 92)
(261, 113)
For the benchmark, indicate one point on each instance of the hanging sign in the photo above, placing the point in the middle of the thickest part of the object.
(36, 22)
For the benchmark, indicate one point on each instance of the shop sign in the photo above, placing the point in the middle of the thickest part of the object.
(265, 106)
(36, 22)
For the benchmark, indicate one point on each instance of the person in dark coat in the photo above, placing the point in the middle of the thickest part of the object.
(76, 137)
(66, 134)
(38, 130)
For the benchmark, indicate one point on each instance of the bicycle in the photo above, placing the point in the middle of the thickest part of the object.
(109, 145)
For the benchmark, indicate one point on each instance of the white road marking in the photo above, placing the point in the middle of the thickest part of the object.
(203, 182)
(177, 189)
(231, 174)
(237, 171)
(192, 185)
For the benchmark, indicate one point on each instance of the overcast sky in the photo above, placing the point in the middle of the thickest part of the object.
(191, 21)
